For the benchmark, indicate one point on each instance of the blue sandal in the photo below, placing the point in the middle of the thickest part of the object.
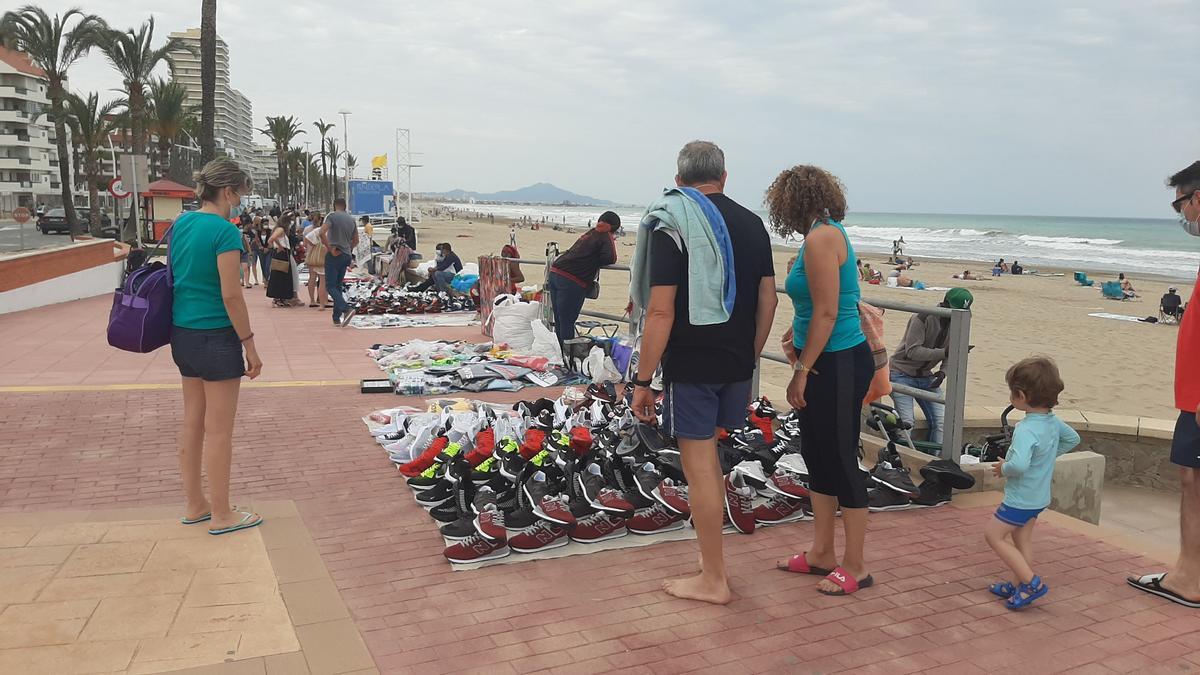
(1003, 589)
(1027, 593)
(248, 520)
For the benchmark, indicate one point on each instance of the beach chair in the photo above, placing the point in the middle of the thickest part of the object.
(1081, 277)
(1112, 290)
(1170, 308)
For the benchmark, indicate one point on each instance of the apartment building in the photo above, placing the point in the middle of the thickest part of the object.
(233, 127)
(28, 157)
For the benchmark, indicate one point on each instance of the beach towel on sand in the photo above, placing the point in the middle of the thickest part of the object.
(693, 221)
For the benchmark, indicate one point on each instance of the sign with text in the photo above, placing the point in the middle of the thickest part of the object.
(370, 196)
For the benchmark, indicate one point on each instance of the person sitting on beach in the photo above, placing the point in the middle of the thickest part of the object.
(1016, 268)
(447, 266)
(901, 280)
(1126, 287)
(967, 276)
(870, 274)
(1171, 304)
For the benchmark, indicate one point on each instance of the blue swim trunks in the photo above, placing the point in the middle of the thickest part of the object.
(1016, 517)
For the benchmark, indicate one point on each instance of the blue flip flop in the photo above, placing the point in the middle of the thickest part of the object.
(248, 520)
(193, 521)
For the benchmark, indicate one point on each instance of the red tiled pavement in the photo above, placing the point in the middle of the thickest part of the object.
(929, 610)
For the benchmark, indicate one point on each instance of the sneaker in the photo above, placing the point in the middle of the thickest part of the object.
(738, 503)
(788, 484)
(593, 488)
(598, 527)
(487, 471)
(463, 528)
(618, 474)
(781, 509)
(896, 478)
(519, 519)
(653, 520)
(674, 497)
(752, 471)
(793, 462)
(932, 492)
(547, 503)
(442, 492)
(886, 499)
(490, 523)
(647, 477)
(949, 473)
(485, 496)
(476, 549)
(541, 536)
(346, 322)
(426, 458)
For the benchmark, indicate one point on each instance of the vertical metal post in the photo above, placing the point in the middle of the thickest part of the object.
(956, 384)
(755, 379)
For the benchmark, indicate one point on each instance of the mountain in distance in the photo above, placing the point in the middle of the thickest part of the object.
(538, 193)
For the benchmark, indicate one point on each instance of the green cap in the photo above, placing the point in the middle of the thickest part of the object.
(958, 298)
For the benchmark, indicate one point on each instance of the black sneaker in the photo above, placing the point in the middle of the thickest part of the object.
(484, 496)
(886, 499)
(896, 478)
(948, 473)
(441, 492)
(460, 529)
(423, 482)
(546, 501)
(647, 477)
(932, 493)
(518, 519)
(593, 488)
(619, 475)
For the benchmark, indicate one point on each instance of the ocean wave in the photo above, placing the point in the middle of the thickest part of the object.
(1033, 238)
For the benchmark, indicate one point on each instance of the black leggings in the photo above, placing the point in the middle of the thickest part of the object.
(831, 421)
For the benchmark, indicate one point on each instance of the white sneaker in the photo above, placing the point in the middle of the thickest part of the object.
(792, 462)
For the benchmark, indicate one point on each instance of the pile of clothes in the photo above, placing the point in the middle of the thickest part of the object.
(581, 469)
(421, 367)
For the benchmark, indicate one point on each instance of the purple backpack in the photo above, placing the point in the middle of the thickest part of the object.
(140, 319)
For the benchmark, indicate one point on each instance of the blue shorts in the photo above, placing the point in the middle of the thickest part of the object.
(1185, 446)
(211, 355)
(1016, 517)
(694, 411)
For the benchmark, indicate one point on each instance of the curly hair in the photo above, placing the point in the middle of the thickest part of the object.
(801, 195)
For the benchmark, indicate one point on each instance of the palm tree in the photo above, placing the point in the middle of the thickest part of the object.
(281, 130)
(331, 151)
(132, 55)
(323, 129)
(168, 110)
(295, 162)
(54, 46)
(351, 165)
(208, 79)
(91, 125)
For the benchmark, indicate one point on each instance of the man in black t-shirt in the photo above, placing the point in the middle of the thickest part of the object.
(706, 368)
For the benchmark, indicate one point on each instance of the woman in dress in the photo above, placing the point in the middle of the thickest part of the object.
(280, 285)
(254, 243)
(211, 343)
(262, 229)
(315, 260)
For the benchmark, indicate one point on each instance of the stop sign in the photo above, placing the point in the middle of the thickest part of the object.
(21, 215)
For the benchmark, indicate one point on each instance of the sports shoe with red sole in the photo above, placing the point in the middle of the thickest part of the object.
(599, 526)
(476, 549)
(739, 499)
(780, 509)
(542, 536)
(673, 497)
(653, 520)
(426, 459)
(787, 484)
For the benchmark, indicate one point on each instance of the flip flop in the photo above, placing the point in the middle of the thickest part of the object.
(193, 521)
(846, 584)
(248, 520)
(799, 564)
(1152, 583)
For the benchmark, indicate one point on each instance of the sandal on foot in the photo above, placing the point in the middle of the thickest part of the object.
(1003, 589)
(846, 583)
(1027, 593)
(1152, 583)
(248, 520)
(199, 519)
(799, 564)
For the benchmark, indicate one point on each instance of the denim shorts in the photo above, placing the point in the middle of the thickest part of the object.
(1016, 517)
(694, 411)
(1185, 445)
(211, 354)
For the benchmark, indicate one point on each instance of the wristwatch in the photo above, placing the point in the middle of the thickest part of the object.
(640, 383)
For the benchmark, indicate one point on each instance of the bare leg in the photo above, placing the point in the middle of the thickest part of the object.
(821, 553)
(322, 292)
(706, 495)
(1000, 536)
(1184, 579)
(312, 287)
(1023, 540)
(191, 445)
(854, 523)
(221, 398)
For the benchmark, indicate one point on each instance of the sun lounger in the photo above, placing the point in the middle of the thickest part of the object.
(1112, 290)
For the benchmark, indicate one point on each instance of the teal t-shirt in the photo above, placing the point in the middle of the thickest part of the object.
(1037, 441)
(196, 241)
(847, 331)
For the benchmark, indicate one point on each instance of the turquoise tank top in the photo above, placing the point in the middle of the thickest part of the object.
(847, 332)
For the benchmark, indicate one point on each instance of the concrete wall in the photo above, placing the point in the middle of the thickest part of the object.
(82, 284)
(82, 269)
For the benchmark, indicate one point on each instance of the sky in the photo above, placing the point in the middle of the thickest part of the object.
(1036, 107)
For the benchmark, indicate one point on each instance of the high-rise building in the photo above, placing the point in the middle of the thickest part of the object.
(264, 167)
(28, 156)
(233, 129)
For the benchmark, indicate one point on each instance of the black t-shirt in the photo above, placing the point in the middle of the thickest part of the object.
(718, 353)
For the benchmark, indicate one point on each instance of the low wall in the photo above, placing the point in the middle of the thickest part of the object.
(49, 276)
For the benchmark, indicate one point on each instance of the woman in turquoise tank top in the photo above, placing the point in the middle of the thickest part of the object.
(832, 368)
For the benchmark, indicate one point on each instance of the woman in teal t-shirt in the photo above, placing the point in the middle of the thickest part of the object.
(831, 371)
(210, 330)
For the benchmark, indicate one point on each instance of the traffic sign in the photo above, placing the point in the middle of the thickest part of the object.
(21, 215)
(117, 189)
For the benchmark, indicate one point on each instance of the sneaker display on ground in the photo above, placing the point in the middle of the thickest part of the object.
(490, 522)
(540, 536)
(886, 499)
(545, 501)
(476, 549)
(739, 499)
(788, 484)
(674, 497)
(598, 527)
(896, 478)
(592, 487)
(654, 520)
(781, 509)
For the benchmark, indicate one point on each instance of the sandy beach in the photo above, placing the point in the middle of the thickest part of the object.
(1109, 365)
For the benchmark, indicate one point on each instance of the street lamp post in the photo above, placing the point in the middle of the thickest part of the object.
(346, 150)
(307, 161)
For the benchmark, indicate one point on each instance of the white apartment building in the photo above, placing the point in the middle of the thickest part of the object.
(28, 156)
(264, 169)
(233, 128)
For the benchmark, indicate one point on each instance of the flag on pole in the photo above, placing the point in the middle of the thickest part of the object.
(379, 161)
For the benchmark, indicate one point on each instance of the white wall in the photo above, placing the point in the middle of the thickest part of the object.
(87, 283)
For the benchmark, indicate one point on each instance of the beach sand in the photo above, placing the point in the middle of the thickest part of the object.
(1109, 366)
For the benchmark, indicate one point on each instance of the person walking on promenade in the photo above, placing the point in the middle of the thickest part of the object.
(211, 343)
(1182, 584)
(704, 276)
(339, 234)
(832, 372)
(255, 244)
(281, 285)
(315, 260)
(923, 348)
(573, 273)
(262, 227)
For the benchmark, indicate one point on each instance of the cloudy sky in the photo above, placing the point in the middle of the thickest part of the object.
(972, 106)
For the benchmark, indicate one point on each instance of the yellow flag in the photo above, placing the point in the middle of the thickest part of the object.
(378, 161)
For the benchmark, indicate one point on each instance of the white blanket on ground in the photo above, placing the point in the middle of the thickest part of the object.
(1118, 317)
(374, 321)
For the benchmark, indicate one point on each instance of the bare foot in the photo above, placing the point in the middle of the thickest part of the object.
(699, 588)
(828, 586)
(825, 562)
(232, 518)
(197, 511)
(1189, 592)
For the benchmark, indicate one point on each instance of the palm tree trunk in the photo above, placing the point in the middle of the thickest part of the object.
(281, 162)
(137, 110)
(64, 157)
(164, 156)
(93, 174)
(208, 79)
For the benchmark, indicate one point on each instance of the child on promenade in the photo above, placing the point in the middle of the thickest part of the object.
(1034, 385)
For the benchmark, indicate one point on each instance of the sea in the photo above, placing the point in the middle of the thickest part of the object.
(1155, 246)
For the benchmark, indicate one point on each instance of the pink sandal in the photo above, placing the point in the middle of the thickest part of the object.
(846, 583)
(799, 564)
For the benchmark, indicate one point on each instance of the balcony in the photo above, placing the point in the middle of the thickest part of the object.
(23, 93)
(15, 116)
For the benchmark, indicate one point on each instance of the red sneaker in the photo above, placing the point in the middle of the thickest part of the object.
(787, 484)
(476, 549)
(599, 526)
(485, 444)
(780, 509)
(739, 498)
(426, 459)
(541, 536)
(674, 497)
(490, 523)
(534, 438)
(581, 440)
(654, 519)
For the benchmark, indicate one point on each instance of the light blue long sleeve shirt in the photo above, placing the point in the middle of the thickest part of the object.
(1028, 467)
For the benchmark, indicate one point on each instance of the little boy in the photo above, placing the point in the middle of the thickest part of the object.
(1034, 385)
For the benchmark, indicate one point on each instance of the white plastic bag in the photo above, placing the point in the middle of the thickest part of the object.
(599, 367)
(545, 343)
(511, 322)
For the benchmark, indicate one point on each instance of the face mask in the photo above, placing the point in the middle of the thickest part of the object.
(1192, 227)
(440, 256)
